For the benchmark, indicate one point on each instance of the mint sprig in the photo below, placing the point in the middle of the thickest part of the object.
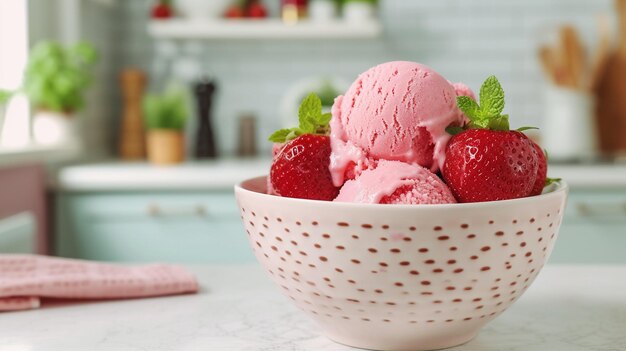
(487, 114)
(311, 121)
(491, 98)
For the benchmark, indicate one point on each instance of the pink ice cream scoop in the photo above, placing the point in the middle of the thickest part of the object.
(394, 111)
(394, 182)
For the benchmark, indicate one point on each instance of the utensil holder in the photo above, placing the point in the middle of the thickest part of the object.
(569, 131)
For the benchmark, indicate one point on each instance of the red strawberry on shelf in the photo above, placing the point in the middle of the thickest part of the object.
(486, 161)
(234, 11)
(161, 10)
(256, 10)
(300, 169)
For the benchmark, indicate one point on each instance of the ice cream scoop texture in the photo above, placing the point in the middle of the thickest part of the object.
(394, 111)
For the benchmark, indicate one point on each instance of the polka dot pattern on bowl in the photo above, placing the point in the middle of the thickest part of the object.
(449, 272)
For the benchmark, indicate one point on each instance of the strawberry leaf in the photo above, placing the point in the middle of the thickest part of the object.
(499, 123)
(552, 181)
(521, 129)
(491, 98)
(468, 106)
(454, 130)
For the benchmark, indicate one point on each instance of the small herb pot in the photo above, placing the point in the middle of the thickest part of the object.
(55, 128)
(359, 11)
(165, 146)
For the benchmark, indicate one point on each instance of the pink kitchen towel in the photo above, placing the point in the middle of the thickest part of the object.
(26, 279)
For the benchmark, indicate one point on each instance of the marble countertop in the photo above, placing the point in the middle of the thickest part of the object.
(568, 308)
(224, 173)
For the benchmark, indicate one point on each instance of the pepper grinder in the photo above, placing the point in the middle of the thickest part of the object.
(132, 143)
(247, 135)
(205, 142)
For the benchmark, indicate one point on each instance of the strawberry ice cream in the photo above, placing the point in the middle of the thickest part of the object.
(393, 182)
(395, 111)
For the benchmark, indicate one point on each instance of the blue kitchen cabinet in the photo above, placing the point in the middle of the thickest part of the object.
(144, 227)
(205, 227)
(593, 229)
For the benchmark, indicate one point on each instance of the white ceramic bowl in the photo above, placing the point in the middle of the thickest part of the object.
(401, 277)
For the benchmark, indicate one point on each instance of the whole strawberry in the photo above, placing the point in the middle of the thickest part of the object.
(487, 161)
(300, 169)
(542, 171)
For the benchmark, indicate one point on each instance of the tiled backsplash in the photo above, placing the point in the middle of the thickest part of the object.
(464, 40)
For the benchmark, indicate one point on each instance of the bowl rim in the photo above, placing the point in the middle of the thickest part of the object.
(560, 188)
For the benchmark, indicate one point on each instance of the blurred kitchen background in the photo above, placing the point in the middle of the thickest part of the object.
(127, 123)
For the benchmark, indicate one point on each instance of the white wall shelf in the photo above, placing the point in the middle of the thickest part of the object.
(262, 29)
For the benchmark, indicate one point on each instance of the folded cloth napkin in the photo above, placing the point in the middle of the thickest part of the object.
(25, 279)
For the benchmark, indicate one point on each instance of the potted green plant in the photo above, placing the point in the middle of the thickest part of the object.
(359, 10)
(55, 82)
(165, 116)
(5, 95)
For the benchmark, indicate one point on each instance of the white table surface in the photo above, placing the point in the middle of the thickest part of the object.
(568, 308)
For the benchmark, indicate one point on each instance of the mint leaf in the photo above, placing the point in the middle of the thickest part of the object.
(454, 130)
(479, 123)
(499, 123)
(521, 129)
(491, 98)
(468, 106)
(279, 136)
(309, 112)
(324, 118)
(294, 133)
(306, 124)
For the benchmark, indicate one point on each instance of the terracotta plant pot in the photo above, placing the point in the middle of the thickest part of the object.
(165, 146)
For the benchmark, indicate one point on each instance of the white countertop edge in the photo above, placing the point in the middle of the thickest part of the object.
(141, 176)
(224, 174)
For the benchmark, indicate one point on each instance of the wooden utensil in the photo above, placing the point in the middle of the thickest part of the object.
(603, 50)
(610, 92)
(572, 57)
(547, 59)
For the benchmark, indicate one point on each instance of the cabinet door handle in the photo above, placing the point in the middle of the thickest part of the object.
(155, 210)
